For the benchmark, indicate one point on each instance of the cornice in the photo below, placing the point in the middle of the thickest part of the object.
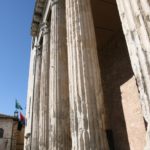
(39, 9)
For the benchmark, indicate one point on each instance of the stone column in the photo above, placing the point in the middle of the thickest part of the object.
(135, 18)
(44, 91)
(36, 100)
(59, 129)
(86, 96)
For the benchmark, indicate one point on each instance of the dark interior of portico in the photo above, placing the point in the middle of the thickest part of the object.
(121, 98)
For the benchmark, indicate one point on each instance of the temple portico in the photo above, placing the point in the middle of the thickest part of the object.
(89, 76)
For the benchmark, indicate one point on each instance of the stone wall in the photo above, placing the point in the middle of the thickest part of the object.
(13, 139)
(124, 121)
(5, 142)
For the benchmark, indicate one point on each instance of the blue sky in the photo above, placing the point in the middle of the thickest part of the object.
(15, 41)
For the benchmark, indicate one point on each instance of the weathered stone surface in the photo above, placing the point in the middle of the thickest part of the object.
(38, 16)
(30, 92)
(135, 15)
(6, 141)
(44, 90)
(86, 96)
(36, 100)
(59, 123)
(10, 138)
(85, 90)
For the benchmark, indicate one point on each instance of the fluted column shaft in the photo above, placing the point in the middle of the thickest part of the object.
(84, 79)
(36, 100)
(59, 130)
(44, 91)
(135, 16)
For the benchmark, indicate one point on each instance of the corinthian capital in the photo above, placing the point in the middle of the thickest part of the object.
(53, 2)
(38, 49)
(44, 28)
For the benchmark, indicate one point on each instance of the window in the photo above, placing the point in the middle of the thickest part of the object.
(1, 133)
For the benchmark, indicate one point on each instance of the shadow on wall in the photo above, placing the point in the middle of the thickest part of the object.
(115, 70)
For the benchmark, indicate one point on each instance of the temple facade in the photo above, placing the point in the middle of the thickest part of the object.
(89, 76)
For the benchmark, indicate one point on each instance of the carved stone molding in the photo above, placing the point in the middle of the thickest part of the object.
(53, 2)
(38, 49)
(44, 28)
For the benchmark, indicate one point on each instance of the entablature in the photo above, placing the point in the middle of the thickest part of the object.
(40, 7)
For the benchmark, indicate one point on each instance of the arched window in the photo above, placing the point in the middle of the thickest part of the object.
(1, 132)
